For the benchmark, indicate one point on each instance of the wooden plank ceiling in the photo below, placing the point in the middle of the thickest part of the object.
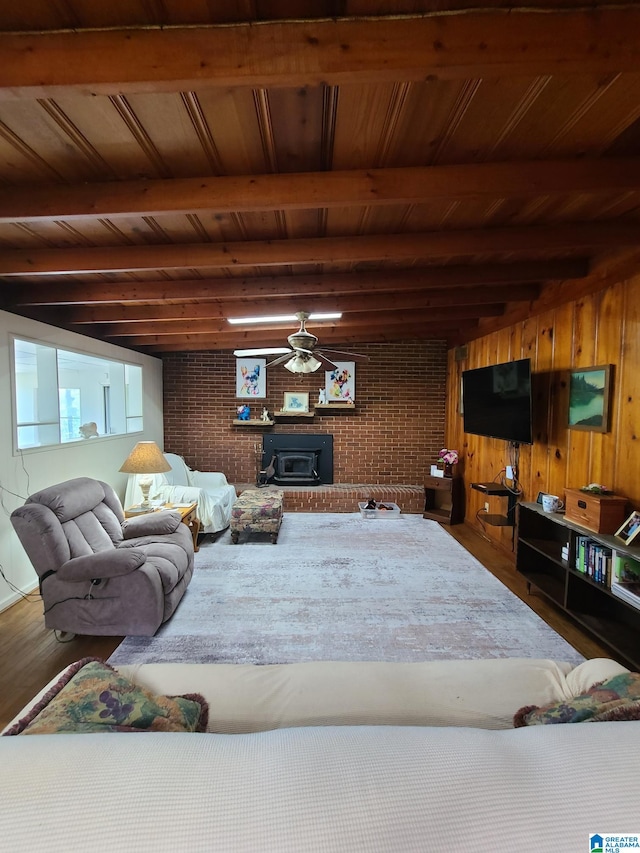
(426, 168)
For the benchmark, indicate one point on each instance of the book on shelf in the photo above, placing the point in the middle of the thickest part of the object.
(629, 592)
(625, 581)
(594, 560)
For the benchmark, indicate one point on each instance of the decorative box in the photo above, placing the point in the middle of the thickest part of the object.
(600, 513)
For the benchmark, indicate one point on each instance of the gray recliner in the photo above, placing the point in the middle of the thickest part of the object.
(99, 573)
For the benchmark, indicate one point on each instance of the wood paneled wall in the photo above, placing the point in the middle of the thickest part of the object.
(600, 328)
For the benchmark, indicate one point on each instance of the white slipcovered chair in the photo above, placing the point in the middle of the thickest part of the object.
(210, 489)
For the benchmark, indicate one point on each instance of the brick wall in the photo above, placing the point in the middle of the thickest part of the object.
(393, 435)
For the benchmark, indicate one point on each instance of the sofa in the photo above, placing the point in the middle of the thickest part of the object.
(332, 756)
(214, 495)
(99, 573)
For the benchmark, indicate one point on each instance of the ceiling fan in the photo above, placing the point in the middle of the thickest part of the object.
(305, 358)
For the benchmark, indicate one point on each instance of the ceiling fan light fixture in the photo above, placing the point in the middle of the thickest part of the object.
(302, 364)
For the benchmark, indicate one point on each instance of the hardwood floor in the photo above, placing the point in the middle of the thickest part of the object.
(32, 655)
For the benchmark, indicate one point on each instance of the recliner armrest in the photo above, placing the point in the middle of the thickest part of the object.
(208, 479)
(103, 564)
(152, 524)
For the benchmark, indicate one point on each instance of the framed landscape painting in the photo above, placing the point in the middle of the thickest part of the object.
(589, 393)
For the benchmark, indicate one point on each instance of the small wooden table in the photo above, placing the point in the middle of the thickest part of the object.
(444, 499)
(188, 516)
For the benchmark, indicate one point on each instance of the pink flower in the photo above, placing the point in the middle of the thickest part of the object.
(449, 457)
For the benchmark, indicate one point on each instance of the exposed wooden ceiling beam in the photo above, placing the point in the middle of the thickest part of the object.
(263, 253)
(197, 290)
(311, 303)
(363, 187)
(380, 333)
(298, 53)
(364, 318)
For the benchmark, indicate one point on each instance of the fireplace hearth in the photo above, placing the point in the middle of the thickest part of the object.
(298, 459)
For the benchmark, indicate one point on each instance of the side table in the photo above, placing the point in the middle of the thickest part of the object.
(188, 516)
(444, 499)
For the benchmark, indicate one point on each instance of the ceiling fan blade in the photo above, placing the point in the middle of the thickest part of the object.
(324, 361)
(281, 359)
(340, 355)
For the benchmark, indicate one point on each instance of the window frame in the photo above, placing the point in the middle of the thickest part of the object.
(122, 397)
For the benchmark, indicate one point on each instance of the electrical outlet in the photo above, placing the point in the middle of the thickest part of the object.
(509, 472)
(486, 506)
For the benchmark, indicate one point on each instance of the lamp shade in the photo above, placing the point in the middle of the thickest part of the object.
(145, 458)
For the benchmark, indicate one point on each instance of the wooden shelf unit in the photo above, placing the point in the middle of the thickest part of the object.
(508, 520)
(444, 499)
(541, 537)
(319, 407)
(253, 422)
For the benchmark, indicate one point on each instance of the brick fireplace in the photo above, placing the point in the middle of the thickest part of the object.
(384, 446)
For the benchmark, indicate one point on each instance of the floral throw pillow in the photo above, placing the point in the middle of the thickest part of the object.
(92, 696)
(615, 699)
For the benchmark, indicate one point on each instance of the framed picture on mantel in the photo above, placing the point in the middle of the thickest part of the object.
(296, 401)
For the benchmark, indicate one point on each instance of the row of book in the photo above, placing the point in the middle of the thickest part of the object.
(609, 567)
(594, 560)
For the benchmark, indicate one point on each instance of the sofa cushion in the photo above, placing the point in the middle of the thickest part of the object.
(618, 698)
(330, 790)
(90, 696)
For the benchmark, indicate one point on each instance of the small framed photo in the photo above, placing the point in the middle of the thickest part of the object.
(629, 529)
(296, 401)
(251, 378)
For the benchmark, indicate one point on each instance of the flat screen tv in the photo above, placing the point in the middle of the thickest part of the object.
(496, 401)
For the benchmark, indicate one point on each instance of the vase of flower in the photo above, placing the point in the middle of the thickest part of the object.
(446, 461)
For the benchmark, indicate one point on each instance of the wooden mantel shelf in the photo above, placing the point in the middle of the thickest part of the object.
(253, 422)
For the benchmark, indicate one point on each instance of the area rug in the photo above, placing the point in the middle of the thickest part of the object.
(340, 587)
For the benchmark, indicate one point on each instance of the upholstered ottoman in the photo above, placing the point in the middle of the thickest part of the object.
(257, 511)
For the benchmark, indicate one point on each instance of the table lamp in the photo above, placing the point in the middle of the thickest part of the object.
(145, 459)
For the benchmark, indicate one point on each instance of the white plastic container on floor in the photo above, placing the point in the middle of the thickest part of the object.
(392, 512)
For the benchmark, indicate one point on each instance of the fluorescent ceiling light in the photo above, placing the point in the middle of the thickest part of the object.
(241, 353)
(283, 318)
